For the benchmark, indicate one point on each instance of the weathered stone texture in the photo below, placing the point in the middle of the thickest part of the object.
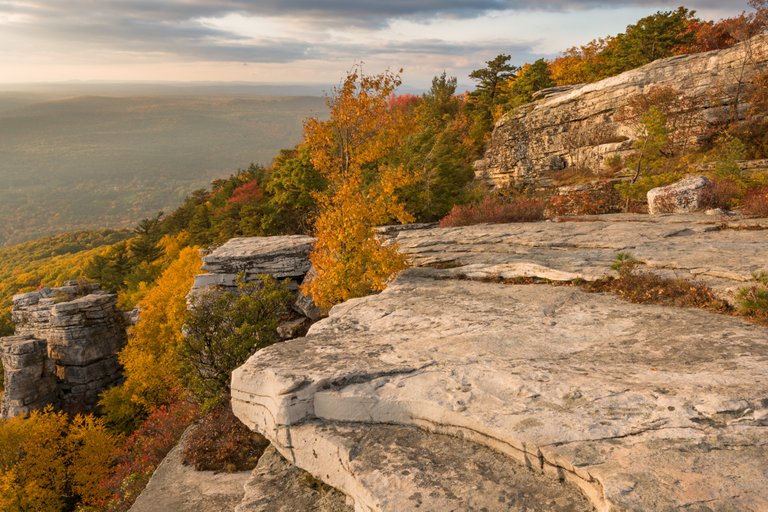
(81, 331)
(642, 407)
(578, 126)
(29, 381)
(175, 487)
(282, 257)
(276, 485)
(685, 196)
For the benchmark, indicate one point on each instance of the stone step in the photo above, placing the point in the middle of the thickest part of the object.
(389, 468)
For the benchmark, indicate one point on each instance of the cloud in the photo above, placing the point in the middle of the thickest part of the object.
(179, 28)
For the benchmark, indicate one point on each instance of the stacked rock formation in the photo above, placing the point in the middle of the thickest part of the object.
(579, 126)
(282, 257)
(65, 349)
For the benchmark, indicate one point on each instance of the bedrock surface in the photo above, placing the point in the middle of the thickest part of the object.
(719, 252)
(642, 407)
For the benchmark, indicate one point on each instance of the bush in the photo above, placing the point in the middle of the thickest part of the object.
(752, 300)
(495, 210)
(602, 199)
(143, 450)
(225, 328)
(222, 443)
(755, 202)
(722, 193)
(648, 288)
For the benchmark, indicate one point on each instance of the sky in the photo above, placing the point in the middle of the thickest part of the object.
(298, 41)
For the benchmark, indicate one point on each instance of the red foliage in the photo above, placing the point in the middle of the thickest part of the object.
(402, 101)
(722, 193)
(494, 209)
(143, 450)
(246, 193)
(222, 443)
(756, 202)
(588, 202)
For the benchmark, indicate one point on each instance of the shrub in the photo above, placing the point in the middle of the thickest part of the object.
(752, 301)
(225, 328)
(222, 443)
(648, 288)
(143, 450)
(755, 202)
(722, 193)
(495, 209)
(602, 199)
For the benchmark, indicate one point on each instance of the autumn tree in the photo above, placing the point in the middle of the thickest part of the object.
(49, 463)
(362, 192)
(151, 359)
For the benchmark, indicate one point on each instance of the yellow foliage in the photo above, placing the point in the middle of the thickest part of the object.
(44, 459)
(347, 150)
(172, 246)
(151, 357)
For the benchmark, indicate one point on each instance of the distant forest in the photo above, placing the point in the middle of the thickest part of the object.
(92, 161)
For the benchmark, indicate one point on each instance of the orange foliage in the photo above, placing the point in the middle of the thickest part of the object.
(46, 460)
(151, 357)
(348, 259)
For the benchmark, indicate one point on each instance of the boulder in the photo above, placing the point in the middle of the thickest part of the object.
(619, 399)
(685, 196)
(278, 256)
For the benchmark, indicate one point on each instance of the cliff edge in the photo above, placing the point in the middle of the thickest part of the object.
(452, 390)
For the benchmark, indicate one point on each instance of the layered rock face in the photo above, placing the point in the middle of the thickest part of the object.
(453, 391)
(65, 349)
(282, 257)
(578, 126)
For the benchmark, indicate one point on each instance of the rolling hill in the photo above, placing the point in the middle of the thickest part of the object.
(87, 162)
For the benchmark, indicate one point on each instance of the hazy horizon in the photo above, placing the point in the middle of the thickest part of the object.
(298, 42)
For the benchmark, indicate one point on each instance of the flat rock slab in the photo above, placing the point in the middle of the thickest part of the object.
(398, 468)
(718, 252)
(278, 256)
(642, 407)
(276, 485)
(176, 487)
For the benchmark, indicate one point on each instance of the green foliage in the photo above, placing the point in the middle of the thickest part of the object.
(437, 153)
(224, 328)
(530, 79)
(752, 301)
(625, 263)
(291, 205)
(489, 94)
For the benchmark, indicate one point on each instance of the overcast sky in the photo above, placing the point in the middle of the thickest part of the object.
(279, 41)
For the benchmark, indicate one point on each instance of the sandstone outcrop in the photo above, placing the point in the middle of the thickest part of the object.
(578, 126)
(68, 338)
(276, 485)
(278, 256)
(640, 407)
(176, 487)
(685, 196)
(282, 257)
